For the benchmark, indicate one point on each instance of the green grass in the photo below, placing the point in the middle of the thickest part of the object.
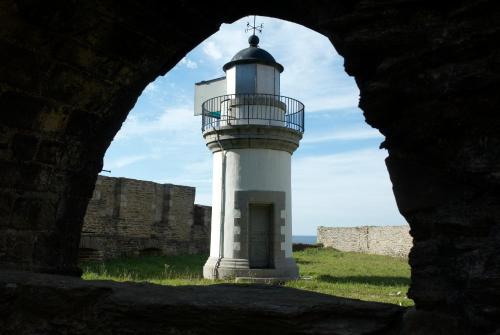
(344, 274)
(164, 270)
(354, 275)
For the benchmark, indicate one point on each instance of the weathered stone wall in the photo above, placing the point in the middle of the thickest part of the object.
(387, 240)
(133, 217)
(42, 304)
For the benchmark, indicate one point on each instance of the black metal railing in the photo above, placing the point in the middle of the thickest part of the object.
(258, 109)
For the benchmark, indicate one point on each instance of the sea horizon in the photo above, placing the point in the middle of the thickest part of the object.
(305, 239)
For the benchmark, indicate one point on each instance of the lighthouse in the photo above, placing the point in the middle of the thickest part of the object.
(252, 132)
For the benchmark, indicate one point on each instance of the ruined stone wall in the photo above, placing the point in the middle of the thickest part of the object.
(387, 240)
(134, 217)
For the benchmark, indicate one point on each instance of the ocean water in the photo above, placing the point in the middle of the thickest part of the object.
(305, 239)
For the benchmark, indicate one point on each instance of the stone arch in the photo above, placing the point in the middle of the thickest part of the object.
(70, 72)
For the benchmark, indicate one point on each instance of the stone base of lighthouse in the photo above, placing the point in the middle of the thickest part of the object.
(257, 230)
(228, 268)
(251, 208)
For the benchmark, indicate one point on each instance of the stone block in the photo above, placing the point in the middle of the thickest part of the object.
(20, 110)
(48, 304)
(49, 152)
(33, 213)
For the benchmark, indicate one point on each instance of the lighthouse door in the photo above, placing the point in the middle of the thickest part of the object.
(260, 233)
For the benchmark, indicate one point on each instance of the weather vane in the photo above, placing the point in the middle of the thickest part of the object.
(254, 27)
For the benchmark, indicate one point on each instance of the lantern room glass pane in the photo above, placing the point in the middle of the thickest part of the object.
(246, 78)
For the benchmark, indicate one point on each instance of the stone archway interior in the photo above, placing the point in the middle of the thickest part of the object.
(428, 76)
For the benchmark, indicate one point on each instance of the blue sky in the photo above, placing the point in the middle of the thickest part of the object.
(338, 173)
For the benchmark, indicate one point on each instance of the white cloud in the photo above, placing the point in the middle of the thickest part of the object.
(330, 103)
(212, 50)
(343, 135)
(152, 87)
(189, 63)
(225, 43)
(174, 120)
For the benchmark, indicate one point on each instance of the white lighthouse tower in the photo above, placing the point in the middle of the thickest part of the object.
(252, 132)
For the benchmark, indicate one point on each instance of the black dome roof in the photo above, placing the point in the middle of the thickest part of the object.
(253, 55)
